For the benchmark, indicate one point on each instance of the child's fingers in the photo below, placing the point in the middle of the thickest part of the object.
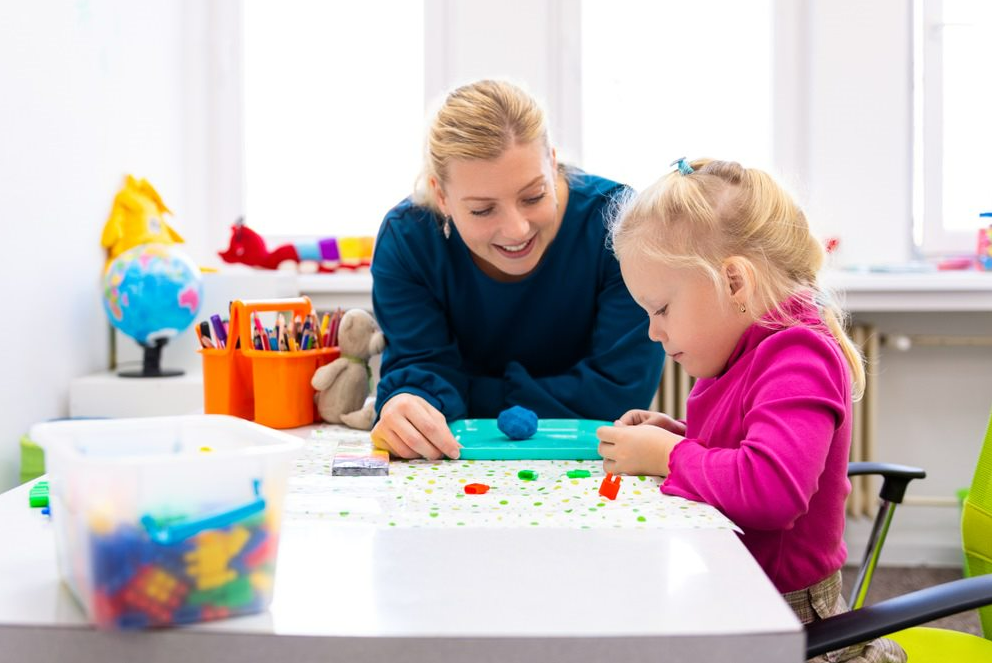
(637, 417)
(607, 450)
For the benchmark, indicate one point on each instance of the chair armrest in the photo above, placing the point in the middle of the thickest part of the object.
(896, 478)
(897, 613)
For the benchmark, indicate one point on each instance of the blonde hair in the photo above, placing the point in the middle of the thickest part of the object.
(723, 210)
(478, 121)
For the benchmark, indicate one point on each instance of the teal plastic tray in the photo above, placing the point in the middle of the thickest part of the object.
(555, 439)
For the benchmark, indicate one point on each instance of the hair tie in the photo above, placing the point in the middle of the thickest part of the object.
(683, 166)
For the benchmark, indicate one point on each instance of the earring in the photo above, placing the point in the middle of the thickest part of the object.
(743, 309)
(446, 228)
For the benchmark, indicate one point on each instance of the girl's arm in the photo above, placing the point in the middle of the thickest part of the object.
(793, 405)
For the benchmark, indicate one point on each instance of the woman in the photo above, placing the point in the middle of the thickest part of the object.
(494, 286)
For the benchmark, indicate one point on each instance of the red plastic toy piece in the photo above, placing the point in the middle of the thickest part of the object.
(155, 592)
(610, 486)
(476, 489)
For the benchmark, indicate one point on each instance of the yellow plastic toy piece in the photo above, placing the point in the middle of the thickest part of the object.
(261, 581)
(208, 564)
(159, 586)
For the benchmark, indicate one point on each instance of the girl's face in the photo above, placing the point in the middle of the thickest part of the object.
(698, 328)
(507, 209)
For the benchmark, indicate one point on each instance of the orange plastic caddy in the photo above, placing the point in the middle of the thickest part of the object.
(269, 387)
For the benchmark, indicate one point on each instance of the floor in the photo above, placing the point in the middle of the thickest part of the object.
(894, 581)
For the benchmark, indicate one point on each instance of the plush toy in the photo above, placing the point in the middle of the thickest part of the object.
(343, 385)
(328, 254)
(136, 218)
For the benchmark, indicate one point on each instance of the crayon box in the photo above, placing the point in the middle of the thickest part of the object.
(268, 387)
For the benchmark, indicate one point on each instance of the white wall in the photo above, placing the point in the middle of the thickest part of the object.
(89, 91)
(858, 139)
(932, 410)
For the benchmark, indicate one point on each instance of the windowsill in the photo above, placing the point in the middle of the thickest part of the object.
(353, 282)
(912, 292)
(932, 291)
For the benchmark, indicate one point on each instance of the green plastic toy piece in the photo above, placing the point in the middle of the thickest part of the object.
(579, 474)
(527, 475)
(234, 594)
(38, 497)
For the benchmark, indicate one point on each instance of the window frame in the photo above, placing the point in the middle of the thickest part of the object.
(556, 81)
(930, 237)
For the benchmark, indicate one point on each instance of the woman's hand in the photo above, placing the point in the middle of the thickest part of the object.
(410, 427)
(636, 449)
(639, 417)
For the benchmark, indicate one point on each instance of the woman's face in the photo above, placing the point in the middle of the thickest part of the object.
(506, 210)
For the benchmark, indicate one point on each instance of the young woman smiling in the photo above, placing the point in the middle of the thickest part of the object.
(495, 287)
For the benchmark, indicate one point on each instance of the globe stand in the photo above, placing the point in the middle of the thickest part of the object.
(151, 364)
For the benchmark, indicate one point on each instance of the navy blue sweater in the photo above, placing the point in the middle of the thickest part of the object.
(567, 341)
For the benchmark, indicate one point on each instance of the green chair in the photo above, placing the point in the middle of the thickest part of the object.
(32, 460)
(899, 618)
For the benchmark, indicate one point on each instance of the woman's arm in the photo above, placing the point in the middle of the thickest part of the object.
(421, 356)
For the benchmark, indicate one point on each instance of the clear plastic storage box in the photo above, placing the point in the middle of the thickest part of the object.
(166, 520)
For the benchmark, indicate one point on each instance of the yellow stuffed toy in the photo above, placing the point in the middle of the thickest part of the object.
(136, 218)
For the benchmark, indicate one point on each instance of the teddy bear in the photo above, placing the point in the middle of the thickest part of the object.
(343, 385)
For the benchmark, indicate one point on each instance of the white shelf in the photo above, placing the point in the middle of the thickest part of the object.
(109, 395)
(912, 292)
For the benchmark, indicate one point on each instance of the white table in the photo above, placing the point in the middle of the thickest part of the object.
(364, 593)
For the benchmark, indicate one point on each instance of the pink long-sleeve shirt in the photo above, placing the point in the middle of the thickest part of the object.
(767, 444)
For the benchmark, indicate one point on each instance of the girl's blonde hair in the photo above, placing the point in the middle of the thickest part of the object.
(722, 210)
(478, 121)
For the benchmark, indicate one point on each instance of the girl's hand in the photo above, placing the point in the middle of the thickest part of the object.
(410, 427)
(636, 449)
(639, 417)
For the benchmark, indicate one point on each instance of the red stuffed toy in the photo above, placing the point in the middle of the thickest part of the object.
(247, 247)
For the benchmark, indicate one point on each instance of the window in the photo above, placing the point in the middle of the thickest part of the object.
(333, 113)
(662, 80)
(953, 156)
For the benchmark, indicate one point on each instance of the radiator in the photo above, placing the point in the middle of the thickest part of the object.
(676, 383)
(863, 499)
(673, 390)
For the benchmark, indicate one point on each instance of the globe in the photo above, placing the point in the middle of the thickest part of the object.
(152, 292)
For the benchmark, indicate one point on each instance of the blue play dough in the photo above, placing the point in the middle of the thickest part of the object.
(518, 423)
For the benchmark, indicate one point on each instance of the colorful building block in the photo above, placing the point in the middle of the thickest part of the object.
(610, 486)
